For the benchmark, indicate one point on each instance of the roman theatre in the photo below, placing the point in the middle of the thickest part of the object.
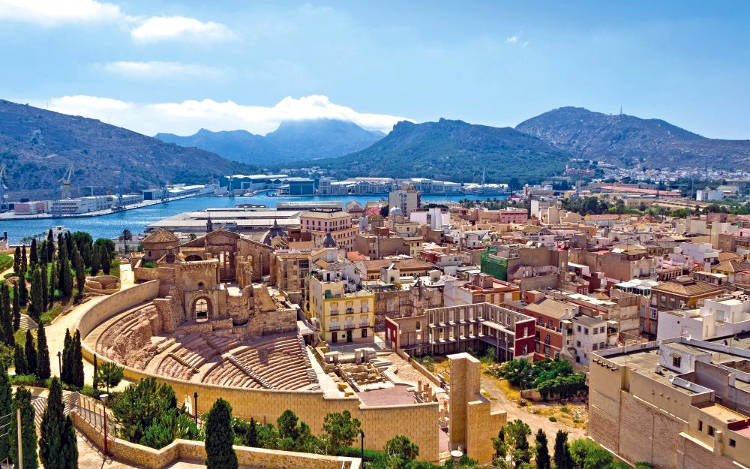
(197, 320)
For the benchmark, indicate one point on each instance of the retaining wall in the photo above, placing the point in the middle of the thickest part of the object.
(143, 456)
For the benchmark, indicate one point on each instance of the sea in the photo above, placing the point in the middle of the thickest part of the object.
(136, 220)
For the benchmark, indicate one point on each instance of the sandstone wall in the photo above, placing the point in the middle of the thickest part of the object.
(143, 456)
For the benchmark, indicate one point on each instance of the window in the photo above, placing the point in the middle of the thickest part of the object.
(579, 328)
(586, 331)
(676, 361)
(732, 443)
(700, 425)
(578, 343)
(596, 346)
(364, 332)
(710, 430)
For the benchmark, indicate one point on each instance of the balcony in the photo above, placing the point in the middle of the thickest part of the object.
(334, 327)
(335, 313)
(349, 311)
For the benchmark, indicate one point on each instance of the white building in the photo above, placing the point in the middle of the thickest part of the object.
(589, 335)
(435, 217)
(719, 317)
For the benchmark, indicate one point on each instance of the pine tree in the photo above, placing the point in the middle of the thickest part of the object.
(6, 316)
(30, 353)
(33, 258)
(77, 375)
(22, 401)
(50, 246)
(52, 445)
(19, 361)
(67, 359)
(52, 284)
(542, 452)
(44, 287)
(16, 311)
(563, 459)
(219, 437)
(6, 404)
(42, 354)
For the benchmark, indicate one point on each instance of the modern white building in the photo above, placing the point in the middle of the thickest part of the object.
(718, 317)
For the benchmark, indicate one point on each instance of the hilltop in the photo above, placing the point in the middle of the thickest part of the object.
(628, 140)
(292, 141)
(37, 146)
(452, 150)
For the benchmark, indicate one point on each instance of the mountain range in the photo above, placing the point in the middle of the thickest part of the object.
(37, 145)
(628, 140)
(452, 150)
(293, 140)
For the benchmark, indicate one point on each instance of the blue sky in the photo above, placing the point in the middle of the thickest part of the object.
(178, 66)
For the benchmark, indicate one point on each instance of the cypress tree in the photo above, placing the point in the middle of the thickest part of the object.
(52, 445)
(35, 310)
(17, 260)
(542, 452)
(44, 287)
(69, 451)
(67, 280)
(252, 434)
(52, 283)
(30, 354)
(106, 261)
(80, 269)
(6, 404)
(22, 401)
(33, 258)
(23, 291)
(16, 311)
(50, 246)
(219, 437)
(19, 361)
(42, 354)
(96, 260)
(67, 359)
(77, 375)
(563, 459)
(68, 242)
(43, 252)
(6, 316)
(24, 263)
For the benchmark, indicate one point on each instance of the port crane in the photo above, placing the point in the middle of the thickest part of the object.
(65, 180)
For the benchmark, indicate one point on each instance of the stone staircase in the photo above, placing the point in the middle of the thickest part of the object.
(248, 371)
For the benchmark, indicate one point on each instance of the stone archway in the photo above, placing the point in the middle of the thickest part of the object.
(193, 258)
(201, 309)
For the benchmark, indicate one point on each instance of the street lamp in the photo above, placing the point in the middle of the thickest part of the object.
(362, 446)
(195, 404)
(59, 362)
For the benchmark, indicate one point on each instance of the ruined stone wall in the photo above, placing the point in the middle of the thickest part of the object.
(379, 423)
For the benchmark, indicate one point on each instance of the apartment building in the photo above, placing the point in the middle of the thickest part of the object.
(679, 403)
(344, 313)
(336, 224)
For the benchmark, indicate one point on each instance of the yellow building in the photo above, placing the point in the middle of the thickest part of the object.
(343, 317)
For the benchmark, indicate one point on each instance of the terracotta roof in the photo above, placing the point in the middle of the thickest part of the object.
(551, 308)
(731, 266)
(687, 288)
(161, 236)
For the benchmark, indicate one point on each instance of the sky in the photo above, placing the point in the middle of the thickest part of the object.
(178, 66)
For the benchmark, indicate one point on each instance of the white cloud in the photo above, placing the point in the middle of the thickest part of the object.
(54, 12)
(161, 28)
(142, 29)
(512, 40)
(187, 117)
(159, 70)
